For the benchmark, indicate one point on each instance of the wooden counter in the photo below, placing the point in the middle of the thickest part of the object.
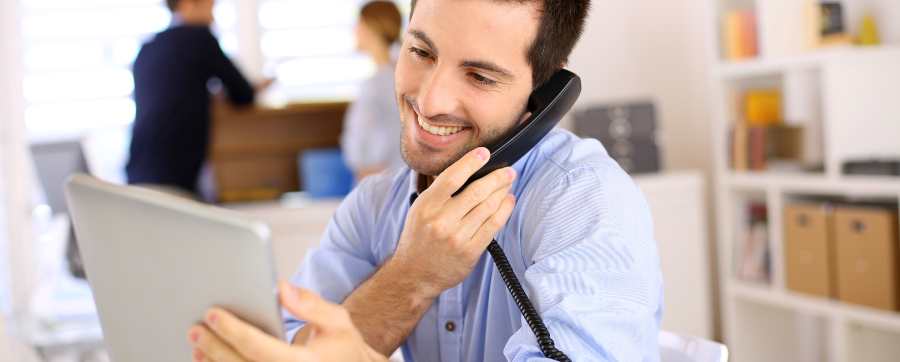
(254, 150)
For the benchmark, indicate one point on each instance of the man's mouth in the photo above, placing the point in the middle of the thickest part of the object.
(437, 130)
(435, 133)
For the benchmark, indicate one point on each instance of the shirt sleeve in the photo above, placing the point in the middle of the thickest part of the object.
(343, 259)
(237, 87)
(594, 274)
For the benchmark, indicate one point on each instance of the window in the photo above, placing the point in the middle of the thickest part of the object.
(78, 54)
(77, 60)
(78, 57)
(311, 48)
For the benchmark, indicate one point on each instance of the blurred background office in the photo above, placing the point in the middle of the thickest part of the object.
(763, 133)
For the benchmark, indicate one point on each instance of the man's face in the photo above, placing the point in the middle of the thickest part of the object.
(462, 78)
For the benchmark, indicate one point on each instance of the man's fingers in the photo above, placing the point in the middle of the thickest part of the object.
(479, 191)
(245, 339)
(304, 354)
(451, 179)
(473, 221)
(319, 313)
(494, 223)
(211, 348)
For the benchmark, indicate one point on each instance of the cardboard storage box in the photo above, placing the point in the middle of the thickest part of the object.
(809, 249)
(867, 248)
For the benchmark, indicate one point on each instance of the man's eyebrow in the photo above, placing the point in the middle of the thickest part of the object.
(418, 34)
(480, 64)
(488, 66)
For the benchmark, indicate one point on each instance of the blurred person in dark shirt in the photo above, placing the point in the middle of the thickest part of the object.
(170, 136)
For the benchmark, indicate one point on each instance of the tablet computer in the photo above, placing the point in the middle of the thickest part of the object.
(156, 262)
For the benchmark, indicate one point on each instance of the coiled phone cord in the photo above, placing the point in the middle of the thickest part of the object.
(518, 293)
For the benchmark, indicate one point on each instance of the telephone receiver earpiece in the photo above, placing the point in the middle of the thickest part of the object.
(547, 104)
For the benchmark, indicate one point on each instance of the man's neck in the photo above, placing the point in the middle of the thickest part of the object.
(180, 18)
(382, 57)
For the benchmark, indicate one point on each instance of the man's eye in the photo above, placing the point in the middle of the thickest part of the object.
(419, 53)
(482, 79)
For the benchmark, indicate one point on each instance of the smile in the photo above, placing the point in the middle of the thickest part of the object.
(437, 130)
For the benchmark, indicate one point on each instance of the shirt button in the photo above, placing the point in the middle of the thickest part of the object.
(450, 326)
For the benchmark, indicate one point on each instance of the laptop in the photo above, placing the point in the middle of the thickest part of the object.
(156, 262)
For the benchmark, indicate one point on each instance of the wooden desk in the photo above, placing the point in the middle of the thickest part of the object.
(254, 151)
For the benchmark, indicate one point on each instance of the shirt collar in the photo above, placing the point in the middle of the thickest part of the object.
(176, 21)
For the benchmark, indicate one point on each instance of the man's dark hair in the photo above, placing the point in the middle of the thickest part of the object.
(560, 27)
(172, 4)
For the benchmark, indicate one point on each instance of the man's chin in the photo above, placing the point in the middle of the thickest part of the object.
(428, 167)
(429, 163)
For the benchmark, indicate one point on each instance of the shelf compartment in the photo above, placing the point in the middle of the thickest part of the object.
(851, 186)
(790, 141)
(869, 317)
(752, 246)
(811, 60)
(771, 332)
(865, 343)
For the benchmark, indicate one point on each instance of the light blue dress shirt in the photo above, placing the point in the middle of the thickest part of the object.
(580, 239)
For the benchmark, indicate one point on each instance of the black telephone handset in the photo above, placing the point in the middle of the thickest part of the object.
(547, 104)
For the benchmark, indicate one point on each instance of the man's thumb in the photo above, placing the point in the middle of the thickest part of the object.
(309, 307)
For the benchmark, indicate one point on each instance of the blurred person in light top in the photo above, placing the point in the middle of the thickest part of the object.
(371, 138)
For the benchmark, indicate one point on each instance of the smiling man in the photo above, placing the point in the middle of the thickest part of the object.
(404, 256)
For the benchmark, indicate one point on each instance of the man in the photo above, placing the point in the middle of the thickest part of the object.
(171, 128)
(576, 229)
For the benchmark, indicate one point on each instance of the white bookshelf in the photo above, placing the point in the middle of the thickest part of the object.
(856, 115)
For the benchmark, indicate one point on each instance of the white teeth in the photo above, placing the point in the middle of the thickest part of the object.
(437, 130)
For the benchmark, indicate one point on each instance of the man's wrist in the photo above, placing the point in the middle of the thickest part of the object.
(409, 280)
(387, 307)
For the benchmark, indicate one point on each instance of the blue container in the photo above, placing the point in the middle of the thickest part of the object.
(324, 173)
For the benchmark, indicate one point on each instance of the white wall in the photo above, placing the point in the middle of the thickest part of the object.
(14, 229)
(657, 49)
(653, 49)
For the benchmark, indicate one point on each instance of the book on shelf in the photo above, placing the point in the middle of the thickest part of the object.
(762, 107)
(739, 148)
(757, 148)
(752, 259)
(761, 138)
(739, 35)
(763, 148)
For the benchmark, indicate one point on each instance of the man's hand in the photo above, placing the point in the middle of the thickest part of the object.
(224, 338)
(445, 235)
(263, 85)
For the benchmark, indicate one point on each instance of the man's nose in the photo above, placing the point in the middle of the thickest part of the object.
(438, 95)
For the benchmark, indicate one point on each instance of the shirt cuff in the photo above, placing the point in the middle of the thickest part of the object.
(289, 335)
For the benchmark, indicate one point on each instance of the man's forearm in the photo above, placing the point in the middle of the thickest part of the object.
(386, 307)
